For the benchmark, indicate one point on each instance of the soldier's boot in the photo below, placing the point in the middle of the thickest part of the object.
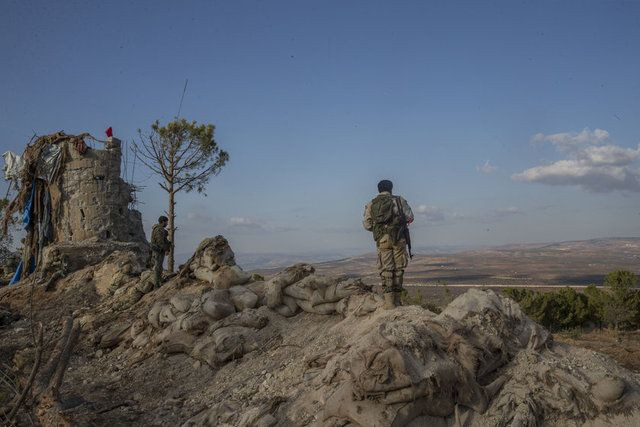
(387, 286)
(398, 278)
(389, 301)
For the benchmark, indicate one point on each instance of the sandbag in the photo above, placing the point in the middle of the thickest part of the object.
(230, 342)
(178, 342)
(285, 311)
(250, 318)
(218, 295)
(324, 308)
(242, 298)
(154, 314)
(205, 351)
(292, 274)
(299, 291)
(145, 284)
(273, 293)
(349, 287)
(203, 273)
(136, 328)
(194, 323)
(217, 310)
(228, 276)
(292, 303)
(359, 304)
(181, 303)
(223, 344)
(257, 288)
(166, 315)
(114, 335)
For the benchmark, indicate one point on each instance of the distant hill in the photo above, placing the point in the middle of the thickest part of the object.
(564, 263)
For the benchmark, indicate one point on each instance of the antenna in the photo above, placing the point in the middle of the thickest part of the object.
(184, 90)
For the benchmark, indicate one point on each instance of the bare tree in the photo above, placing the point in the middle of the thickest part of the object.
(185, 156)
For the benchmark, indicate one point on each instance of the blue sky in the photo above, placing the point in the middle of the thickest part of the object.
(500, 122)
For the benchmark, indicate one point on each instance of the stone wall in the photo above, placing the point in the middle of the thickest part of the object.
(95, 199)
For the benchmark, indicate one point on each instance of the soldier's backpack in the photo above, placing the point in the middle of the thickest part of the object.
(385, 220)
(157, 240)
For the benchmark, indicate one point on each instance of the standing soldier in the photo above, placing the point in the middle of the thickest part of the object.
(160, 246)
(388, 217)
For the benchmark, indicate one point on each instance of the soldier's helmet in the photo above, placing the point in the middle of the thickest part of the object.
(163, 219)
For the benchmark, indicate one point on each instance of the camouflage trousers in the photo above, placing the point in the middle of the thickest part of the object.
(392, 260)
(158, 261)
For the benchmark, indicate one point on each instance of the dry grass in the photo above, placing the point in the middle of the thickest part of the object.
(624, 346)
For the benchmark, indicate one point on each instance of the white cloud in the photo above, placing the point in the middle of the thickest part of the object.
(242, 222)
(252, 224)
(442, 216)
(572, 140)
(431, 213)
(501, 213)
(199, 217)
(608, 155)
(592, 166)
(511, 210)
(486, 167)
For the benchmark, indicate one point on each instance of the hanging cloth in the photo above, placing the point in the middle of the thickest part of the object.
(27, 214)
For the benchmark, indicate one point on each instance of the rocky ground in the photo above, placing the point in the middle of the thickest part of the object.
(216, 346)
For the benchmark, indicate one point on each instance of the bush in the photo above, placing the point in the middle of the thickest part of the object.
(621, 304)
(617, 305)
(561, 309)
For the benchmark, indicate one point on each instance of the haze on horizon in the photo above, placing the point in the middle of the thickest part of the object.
(499, 122)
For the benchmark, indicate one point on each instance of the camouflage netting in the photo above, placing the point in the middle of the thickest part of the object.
(309, 350)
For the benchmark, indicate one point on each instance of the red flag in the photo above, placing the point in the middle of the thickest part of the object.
(109, 132)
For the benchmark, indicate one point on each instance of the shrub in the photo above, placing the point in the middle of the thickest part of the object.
(617, 305)
(561, 309)
(621, 305)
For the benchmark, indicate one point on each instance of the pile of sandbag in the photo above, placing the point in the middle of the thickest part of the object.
(214, 262)
(222, 324)
(212, 310)
(480, 362)
(298, 287)
(118, 269)
(206, 327)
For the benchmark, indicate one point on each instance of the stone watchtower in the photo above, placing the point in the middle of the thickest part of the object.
(95, 199)
(94, 217)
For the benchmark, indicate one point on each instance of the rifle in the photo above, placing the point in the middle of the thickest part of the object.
(405, 226)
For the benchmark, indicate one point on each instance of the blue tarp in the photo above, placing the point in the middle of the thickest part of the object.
(28, 209)
(18, 274)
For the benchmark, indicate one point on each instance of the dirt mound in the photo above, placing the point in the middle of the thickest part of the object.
(214, 347)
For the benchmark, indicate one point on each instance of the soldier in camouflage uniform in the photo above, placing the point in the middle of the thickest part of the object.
(160, 245)
(387, 216)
